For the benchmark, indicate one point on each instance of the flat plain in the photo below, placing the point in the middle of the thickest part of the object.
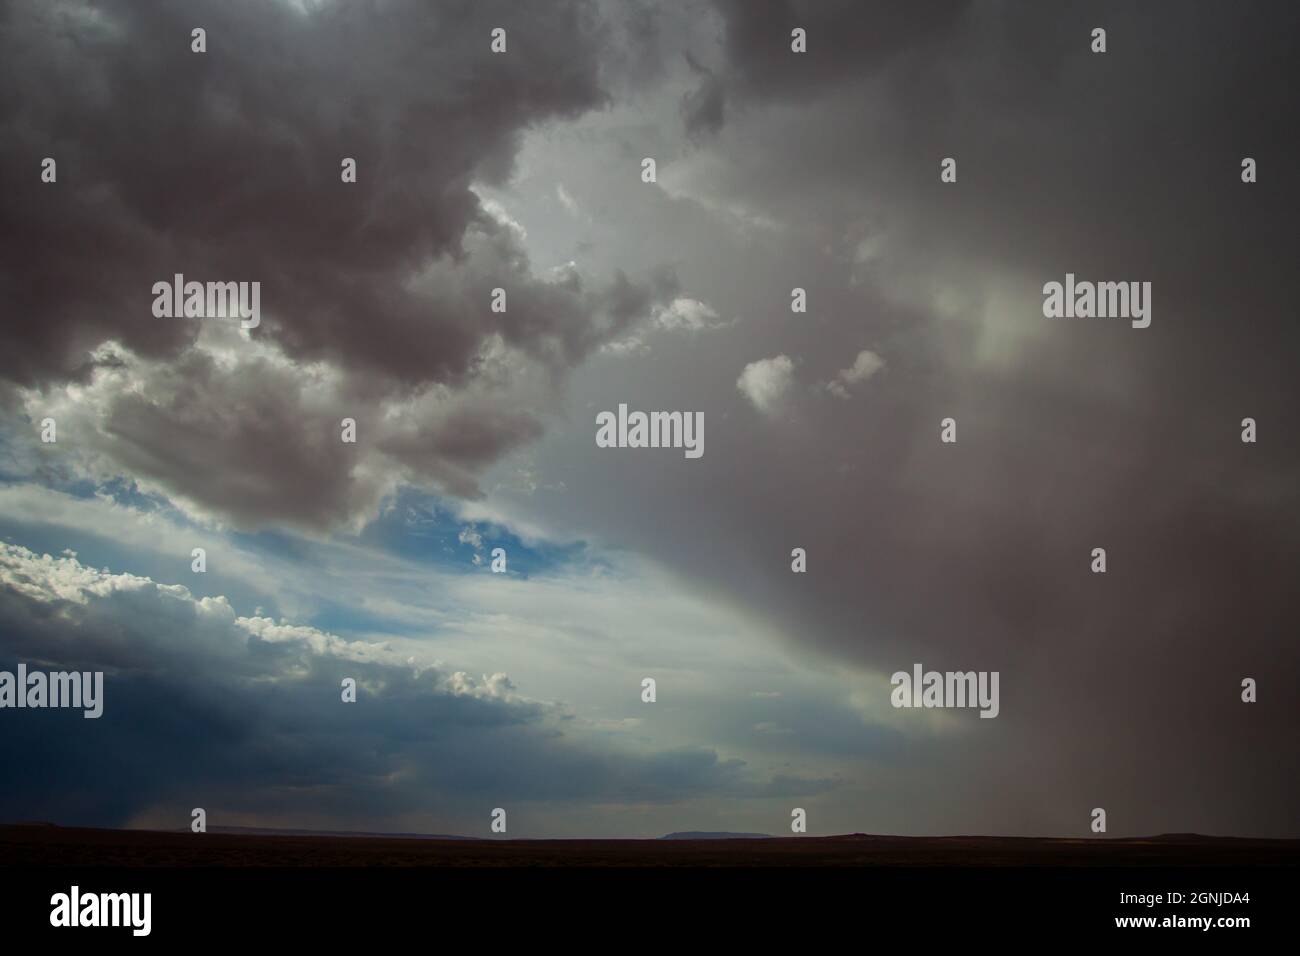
(46, 845)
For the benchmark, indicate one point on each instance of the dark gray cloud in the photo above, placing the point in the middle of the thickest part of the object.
(226, 166)
(704, 108)
(1073, 434)
(1087, 428)
(846, 39)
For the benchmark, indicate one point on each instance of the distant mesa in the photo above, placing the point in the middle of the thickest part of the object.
(710, 835)
(278, 831)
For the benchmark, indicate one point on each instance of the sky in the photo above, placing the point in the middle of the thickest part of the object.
(775, 170)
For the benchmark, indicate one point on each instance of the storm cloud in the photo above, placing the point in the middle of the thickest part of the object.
(226, 166)
(1072, 434)
(776, 170)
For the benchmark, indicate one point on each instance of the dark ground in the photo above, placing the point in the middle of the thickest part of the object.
(44, 846)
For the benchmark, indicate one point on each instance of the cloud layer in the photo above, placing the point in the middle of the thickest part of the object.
(777, 171)
(205, 707)
(225, 166)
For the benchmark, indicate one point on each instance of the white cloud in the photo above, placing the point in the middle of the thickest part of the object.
(568, 202)
(632, 345)
(690, 315)
(683, 314)
(864, 366)
(135, 620)
(766, 382)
